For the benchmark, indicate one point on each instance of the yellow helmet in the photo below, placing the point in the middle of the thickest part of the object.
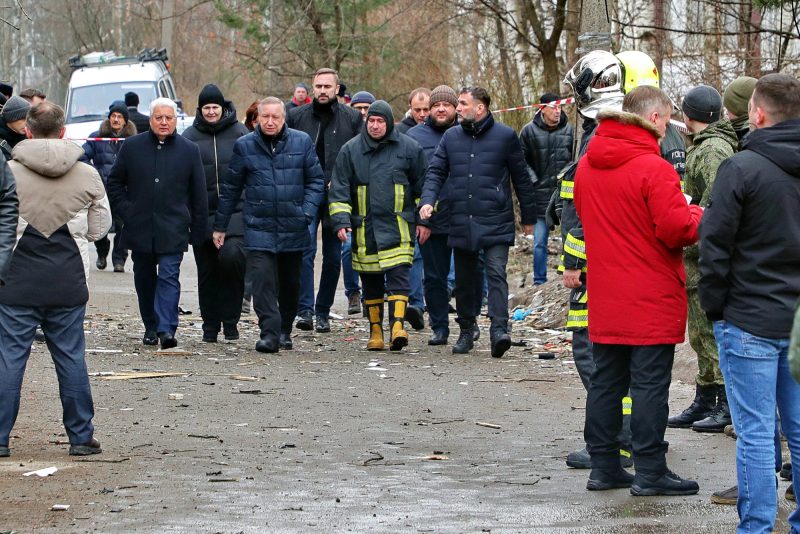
(637, 69)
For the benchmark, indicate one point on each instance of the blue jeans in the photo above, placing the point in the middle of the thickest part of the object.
(328, 278)
(351, 281)
(540, 234)
(757, 380)
(63, 330)
(417, 275)
(158, 289)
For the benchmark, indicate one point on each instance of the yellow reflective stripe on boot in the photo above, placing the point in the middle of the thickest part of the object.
(627, 405)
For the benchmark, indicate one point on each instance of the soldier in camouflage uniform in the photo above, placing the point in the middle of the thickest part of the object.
(713, 141)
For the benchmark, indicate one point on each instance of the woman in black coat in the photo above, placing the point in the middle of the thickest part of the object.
(220, 273)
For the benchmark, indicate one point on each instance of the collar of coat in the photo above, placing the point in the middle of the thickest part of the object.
(623, 117)
(478, 127)
(105, 130)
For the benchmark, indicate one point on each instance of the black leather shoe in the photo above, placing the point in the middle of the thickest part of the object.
(438, 338)
(231, 333)
(464, 343)
(168, 341)
(101, 263)
(323, 325)
(209, 337)
(150, 338)
(285, 341)
(476, 332)
(786, 471)
(500, 345)
(606, 479)
(119, 267)
(415, 317)
(305, 321)
(704, 401)
(266, 345)
(667, 484)
(93, 447)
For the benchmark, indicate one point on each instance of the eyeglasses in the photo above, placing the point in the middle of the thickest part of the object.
(164, 118)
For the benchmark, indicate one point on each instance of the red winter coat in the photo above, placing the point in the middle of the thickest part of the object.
(636, 221)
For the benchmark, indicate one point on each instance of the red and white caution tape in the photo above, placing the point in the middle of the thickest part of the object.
(94, 138)
(562, 102)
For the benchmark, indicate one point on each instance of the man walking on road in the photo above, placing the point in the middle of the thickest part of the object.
(330, 125)
(635, 220)
(278, 170)
(62, 206)
(158, 188)
(749, 287)
(476, 163)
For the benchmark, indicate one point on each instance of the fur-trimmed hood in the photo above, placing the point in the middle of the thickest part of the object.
(127, 131)
(620, 137)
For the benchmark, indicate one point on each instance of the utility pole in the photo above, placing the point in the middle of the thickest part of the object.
(167, 23)
(595, 27)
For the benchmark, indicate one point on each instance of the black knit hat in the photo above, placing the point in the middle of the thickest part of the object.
(703, 104)
(15, 109)
(547, 98)
(6, 90)
(382, 108)
(210, 95)
(118, 106)
(131, 99)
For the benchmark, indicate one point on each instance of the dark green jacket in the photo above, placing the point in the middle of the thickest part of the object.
(374, 190)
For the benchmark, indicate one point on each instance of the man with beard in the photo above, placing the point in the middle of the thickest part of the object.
(330, 125)
(432, 234)
(479, 161)
(220, 272)
(102, 154)
(377, 178)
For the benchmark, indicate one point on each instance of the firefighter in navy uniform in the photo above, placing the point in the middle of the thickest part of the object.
(599, 80)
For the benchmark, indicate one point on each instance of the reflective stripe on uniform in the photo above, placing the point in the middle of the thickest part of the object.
(627, 404)
(575, 247)
(340, 207)
(578, 319)
(402, 225)
(567, 189)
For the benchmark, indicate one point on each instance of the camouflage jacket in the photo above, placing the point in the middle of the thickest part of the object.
(709, 149)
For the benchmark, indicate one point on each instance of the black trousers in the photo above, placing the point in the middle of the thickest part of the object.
(647, 372)
(276, 289)
(119, 254)
(468, 276)
(220, 282)
(394, 281)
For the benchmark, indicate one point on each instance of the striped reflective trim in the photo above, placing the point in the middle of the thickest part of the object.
(575, 247)
(361, 197)
(578, 319)
(623, 452)
(627, 404)
(340, 207)
(683, 186)
(561, 267)
(567, 189)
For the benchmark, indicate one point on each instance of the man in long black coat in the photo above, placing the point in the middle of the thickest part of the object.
(158, 188)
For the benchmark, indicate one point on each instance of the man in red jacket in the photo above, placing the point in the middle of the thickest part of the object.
(636, 221)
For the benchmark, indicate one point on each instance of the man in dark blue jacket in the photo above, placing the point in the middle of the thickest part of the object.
(158, 188)
(475, 161)
(102, 154)
(283, 184)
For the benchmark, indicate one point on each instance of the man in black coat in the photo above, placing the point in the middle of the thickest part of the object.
(140, 120)
(547, 144)
(330, 125)
(220, 272)
(158, 188)
(476, 160)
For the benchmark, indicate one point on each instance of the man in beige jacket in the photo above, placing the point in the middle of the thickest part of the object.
(62, 206)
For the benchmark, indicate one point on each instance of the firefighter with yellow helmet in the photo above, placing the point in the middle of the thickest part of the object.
(598, 80)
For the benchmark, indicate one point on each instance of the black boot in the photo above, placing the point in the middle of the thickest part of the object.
(700, 408)
(499, 338)
(606, 479)
(720, 416)
(648, 485)
(464, 343)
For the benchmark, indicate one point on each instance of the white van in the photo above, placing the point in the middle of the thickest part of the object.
(100, 78)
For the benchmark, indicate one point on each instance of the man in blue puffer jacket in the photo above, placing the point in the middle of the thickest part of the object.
(278, 170)
(476, 159)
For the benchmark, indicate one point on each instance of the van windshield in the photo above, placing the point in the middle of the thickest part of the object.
(91, 103)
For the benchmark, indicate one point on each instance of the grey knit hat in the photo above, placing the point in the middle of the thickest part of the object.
(703, 104)
(15, 109)
(443, 93)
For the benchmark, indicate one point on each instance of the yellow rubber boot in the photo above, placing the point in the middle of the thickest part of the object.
(397, 314)
(375, 314)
